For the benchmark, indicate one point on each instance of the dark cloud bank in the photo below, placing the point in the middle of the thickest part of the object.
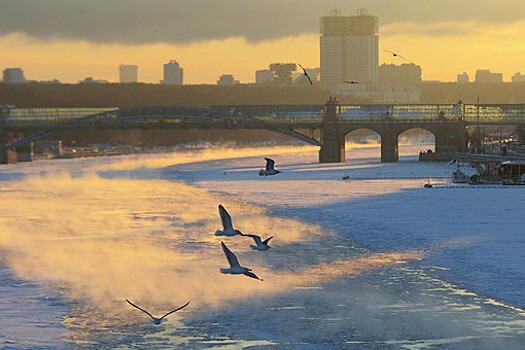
(185, 21)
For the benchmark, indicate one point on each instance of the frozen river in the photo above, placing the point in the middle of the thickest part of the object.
(374, 262)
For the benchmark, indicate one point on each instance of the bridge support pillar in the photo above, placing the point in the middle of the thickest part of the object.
(333, 149)
(332, 141)
(7, 156)
(389, 147)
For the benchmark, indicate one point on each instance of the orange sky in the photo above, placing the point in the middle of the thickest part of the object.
(466, 47)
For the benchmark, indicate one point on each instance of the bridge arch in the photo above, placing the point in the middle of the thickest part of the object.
(447, 137)
(362, 137)
(333, 121)
(419, 137)
(413, 135)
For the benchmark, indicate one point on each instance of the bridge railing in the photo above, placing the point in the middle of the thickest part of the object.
(359, 112)
(495, 113)
(470, 113)
(274, 113)
(399, 112)
(48, 115)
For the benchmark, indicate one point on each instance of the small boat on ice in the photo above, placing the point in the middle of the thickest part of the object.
(512, 172)
(459, 177)
(490, 170)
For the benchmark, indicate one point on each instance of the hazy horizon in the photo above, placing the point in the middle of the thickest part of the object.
(69, 41)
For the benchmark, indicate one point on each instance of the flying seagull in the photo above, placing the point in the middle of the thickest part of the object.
(306, 73)
(260, 244)
(227, 226)
(351, 82)
(269, 168)
(235, 268)
(157, 320)
(395, 54)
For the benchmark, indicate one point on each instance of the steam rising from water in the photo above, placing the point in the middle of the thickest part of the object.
(102, 230)
(108, 239)
(105, 230)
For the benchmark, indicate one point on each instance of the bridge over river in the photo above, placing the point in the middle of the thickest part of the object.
(322, 125)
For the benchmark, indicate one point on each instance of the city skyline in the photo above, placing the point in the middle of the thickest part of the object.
(215, 40)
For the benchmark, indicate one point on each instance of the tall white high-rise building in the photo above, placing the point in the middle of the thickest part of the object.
(172, 73)
(128, 73)
(349, 48)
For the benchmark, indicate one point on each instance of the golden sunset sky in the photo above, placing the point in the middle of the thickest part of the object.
(71, 40)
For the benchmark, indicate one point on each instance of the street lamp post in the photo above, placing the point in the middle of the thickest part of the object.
(478, 129)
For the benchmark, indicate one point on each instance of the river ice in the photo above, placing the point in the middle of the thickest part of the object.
(373, 262)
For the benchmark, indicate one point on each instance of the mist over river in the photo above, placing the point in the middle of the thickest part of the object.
(375, 262)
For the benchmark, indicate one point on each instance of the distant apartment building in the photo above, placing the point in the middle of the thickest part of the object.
(52, 81)
(299, 79)
(172, 73)
(349, 48)
(486, 76)
(227, 80)
(381, 92)
(264, 77)
(407, 74)
(463, 78)
(14, 76)
(518, 78)
(90, 80)
(399, 93)
(128, 73)
(282, 73)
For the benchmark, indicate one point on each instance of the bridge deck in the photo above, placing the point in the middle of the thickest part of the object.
(286, 119)
(470, 113)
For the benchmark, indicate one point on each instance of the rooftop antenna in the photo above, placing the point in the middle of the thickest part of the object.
(335, 12)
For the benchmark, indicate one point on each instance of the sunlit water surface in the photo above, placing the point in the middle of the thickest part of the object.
(78, 237)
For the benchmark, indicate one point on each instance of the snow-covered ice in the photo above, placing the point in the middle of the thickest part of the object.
(373, 262)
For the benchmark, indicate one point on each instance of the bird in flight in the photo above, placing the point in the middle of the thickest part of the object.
(157, 320)
(235, 268)
(306, 73)
(351, 82)
(260, 245)
(270, 170)
(395, 54)
(227, 226)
